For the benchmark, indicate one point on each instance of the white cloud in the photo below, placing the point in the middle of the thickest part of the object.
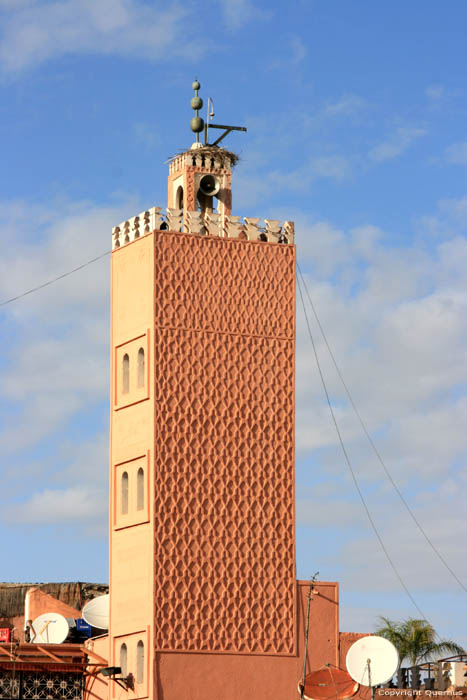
(363, 619)
(441, 97)
(348, 105)
(368, 585)
(146, 135)
(396, 144)
(298, 50)
(294, 52)
(455, 210)
(443, 519)
(457, 153)
(73, 505)
(450, 224)
(252, 188)
(396, 320)
(324, 510)
(335, 166)
(87, 466)
(5, 4)
(237, 13)
(435, 92)
(56, 364)
(361, 566)
(36, 31)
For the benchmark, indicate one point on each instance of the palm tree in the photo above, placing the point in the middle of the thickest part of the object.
(415, 640)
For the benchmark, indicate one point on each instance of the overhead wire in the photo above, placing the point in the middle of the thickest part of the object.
(370, 439)
(55, 279)
(349, 464)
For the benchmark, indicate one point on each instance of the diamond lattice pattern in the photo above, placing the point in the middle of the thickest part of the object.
(225, 538)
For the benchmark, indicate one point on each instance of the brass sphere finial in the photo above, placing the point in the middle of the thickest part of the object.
(197, 123)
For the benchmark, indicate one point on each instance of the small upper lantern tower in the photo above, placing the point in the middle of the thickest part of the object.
(201, 179)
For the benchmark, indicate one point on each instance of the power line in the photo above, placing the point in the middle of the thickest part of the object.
(370, 440)
(55, 279)
(349, 464)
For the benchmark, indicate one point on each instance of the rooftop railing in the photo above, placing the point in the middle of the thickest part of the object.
(431, 675)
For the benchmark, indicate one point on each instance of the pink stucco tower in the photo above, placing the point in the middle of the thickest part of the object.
(204, 598)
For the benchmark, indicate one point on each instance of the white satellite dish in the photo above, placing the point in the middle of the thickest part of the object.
(50, 628)
(372, 660)
(96, 612)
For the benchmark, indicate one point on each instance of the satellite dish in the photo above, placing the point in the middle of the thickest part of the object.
(329, 684)
(50, 628)
(372, 660)
(96, 612)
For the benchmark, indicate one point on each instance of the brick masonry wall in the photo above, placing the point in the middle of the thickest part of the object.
(224, 460)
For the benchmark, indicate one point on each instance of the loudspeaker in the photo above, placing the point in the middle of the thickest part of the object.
(209, 185)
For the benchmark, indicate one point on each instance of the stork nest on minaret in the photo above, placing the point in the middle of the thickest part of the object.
(209, 151)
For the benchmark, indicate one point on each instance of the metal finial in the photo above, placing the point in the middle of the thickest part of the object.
(197, 123)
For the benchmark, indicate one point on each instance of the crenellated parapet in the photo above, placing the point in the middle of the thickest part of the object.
(212, 224)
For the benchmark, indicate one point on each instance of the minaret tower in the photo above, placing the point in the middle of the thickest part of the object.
(202, 531)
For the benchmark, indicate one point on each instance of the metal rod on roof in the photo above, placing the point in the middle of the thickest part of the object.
(310, 594)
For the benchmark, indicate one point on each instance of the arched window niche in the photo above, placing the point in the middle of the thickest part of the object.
(140, 489)
(179, 198)
(124, 493)
(140, 662)
(141, 366)
(124, 659)
(126, 374)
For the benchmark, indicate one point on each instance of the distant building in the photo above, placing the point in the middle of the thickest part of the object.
(36, 598)
(44, 671)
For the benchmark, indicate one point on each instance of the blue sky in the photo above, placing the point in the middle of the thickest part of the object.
(356, 116)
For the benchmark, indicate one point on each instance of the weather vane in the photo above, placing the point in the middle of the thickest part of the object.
(197, 123)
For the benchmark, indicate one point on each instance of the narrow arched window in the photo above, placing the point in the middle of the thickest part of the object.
(140, 489)
(140, 662)
(141, 367)
(179, 198)
(126, 374)
(124, 660)
(124, 493)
